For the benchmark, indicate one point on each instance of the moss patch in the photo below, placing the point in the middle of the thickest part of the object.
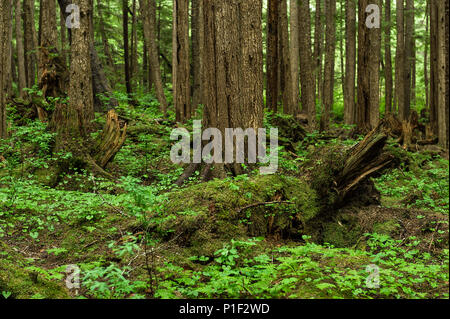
(23, 284)
(207, 214)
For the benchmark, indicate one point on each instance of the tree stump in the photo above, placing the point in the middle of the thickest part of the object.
(110, 141)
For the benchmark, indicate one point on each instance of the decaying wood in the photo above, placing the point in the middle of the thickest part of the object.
(363, 160)
(111, 139)
(410, 134)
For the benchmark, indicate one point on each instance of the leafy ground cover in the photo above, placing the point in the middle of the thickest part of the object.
(140, 236)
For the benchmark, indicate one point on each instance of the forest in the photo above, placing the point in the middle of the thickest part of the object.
(224, 149)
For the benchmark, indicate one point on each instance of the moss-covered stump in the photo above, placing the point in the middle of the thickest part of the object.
(18, 283)
(206, 215)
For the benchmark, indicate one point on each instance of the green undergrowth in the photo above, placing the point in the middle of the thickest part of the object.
(249, 236)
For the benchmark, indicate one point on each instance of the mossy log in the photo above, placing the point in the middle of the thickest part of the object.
(206, 214)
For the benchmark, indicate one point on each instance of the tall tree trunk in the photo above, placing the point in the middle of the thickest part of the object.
(63, 32)
(100, 83)
(233, 65)
(73, 121)
(126, 51)
(285, 63)
(306, 64)
(294, 54)
(30, 42)
(134, 45)
(434, 67)
(369, 45)
(180, 64)
(409, 45)
(425, 54)
(330, 46)
(197, 52)
(52, 74)
(20, 49)
(5, 61)
(350, 62)
(388, 58)
(400, 63)
(148, 12)
(272, 56)
(318, 38)
(375, 62)
(106, 47)
(442, 99)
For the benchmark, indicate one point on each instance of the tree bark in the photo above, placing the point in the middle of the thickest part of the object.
(388, 58)
(180, 64)
(369, 45)
(350, 62)
(126, 51)
(409, 46)
(148, 12)
(330, 46)
(442, 99)
(400, 63)
(197, 52)
(306, 65)
(285, 62)
(52, 75)
(318, 38)
(294, 54)
(5, 61)
(272, 56)
(30, 42)
(434, 67)
(20, 50)
(233, 73)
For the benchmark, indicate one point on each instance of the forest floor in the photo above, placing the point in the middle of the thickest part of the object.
(140, 236)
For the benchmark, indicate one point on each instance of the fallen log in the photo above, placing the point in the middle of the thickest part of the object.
(205, 214)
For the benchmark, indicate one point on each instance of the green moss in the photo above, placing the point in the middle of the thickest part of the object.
(342, 232)
(47, 176)
(210, 212)
(23, 284)
(389, 227)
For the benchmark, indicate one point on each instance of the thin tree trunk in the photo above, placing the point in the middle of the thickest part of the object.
(434, 67)
(400, 63)
(425, 54)
(318, 38)
(409, 45)
(350, 63)
(272, 56)
(306, 64)
(5, 61)
(285, 63)
(442, 46)
(148, 12)
(106, 48)
(20, 50)
(126, 53)
(330, 46)
(134, 45)
(294, 54)
(197, 51)
(388, 58)
(180, 64)
(375, 62)
(30, 42)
